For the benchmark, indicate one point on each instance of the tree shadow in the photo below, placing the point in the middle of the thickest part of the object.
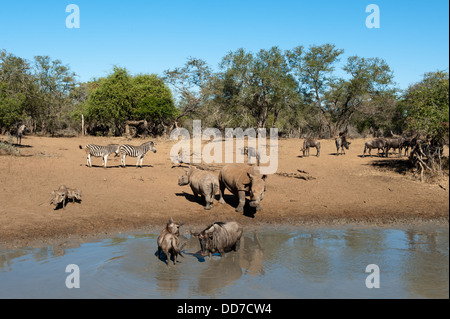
(400, 166)
(21, 145)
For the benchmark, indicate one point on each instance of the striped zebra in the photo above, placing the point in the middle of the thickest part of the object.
(136, 151)
(100, 151)
(19, 133)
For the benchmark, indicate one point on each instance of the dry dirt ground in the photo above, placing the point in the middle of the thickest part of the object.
(335, 190)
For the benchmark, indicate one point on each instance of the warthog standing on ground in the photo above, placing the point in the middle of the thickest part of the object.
(378, 143)
(63, 194)
(219, 237)
(242, 180)
(341, 144)
(202, 183)
(307, 144)
(168, 241)
(395, 143)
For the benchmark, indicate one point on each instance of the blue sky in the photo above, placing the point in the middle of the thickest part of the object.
(152, 36)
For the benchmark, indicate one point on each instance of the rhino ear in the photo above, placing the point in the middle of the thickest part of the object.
(250, 175)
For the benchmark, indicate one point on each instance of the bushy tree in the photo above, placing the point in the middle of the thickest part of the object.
(121, 97)
(426, 105)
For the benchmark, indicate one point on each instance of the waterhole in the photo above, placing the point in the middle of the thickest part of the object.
(271, 263)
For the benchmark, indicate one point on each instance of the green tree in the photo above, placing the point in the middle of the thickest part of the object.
(426, 105)
(260, 83)
(120, 97)
(369, 91)
(313, 69)
(153, 102)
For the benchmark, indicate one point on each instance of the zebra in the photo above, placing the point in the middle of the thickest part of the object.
(100, 151)
(19, 134)
(136, 151)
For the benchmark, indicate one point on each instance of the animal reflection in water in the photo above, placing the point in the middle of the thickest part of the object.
(248, 259)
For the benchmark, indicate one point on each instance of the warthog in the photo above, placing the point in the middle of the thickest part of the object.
(308, 143)
(251, 152)
(378, 143)
(242, 180)
(219, 237)
(341, 144)
(202, 183)
(395, 143)
(168, 241)
(63, 194)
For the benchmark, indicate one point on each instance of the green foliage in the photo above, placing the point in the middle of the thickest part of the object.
(121, 97)
(426, 105)
(11, 107)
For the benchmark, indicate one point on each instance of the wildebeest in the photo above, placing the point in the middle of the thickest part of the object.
(168, 241)
(409, 142)
(341, 144)
(378, 143)
(242, 180)
(19, 133)
(395, 143)
(251, 152)
(219, 237)
(202, 183)
(308, 143)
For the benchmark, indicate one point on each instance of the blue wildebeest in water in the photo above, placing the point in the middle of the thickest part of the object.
(219, 237)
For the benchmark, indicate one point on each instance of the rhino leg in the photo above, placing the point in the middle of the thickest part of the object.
(240, 208)
(208, 201)
(221, 190)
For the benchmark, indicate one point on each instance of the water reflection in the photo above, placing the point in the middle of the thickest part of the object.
(300, 263)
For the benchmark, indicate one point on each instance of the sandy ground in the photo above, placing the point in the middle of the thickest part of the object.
(338, 190)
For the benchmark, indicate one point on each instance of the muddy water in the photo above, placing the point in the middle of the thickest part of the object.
(271, 263)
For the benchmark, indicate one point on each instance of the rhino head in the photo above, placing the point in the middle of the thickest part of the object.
(257, 189)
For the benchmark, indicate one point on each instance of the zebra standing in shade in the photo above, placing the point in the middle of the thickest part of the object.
(19, 133)
(136, 151)
(100, 151)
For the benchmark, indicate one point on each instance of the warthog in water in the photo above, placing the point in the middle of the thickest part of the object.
(341, 144)
(251, 152)
(378, 143)
(168, 241)
(202, 183)
(395, 143)
(307, 144)
(219, 237)
(63, 194)
(242, 180)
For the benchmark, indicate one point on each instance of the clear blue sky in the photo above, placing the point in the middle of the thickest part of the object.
(152, 36)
